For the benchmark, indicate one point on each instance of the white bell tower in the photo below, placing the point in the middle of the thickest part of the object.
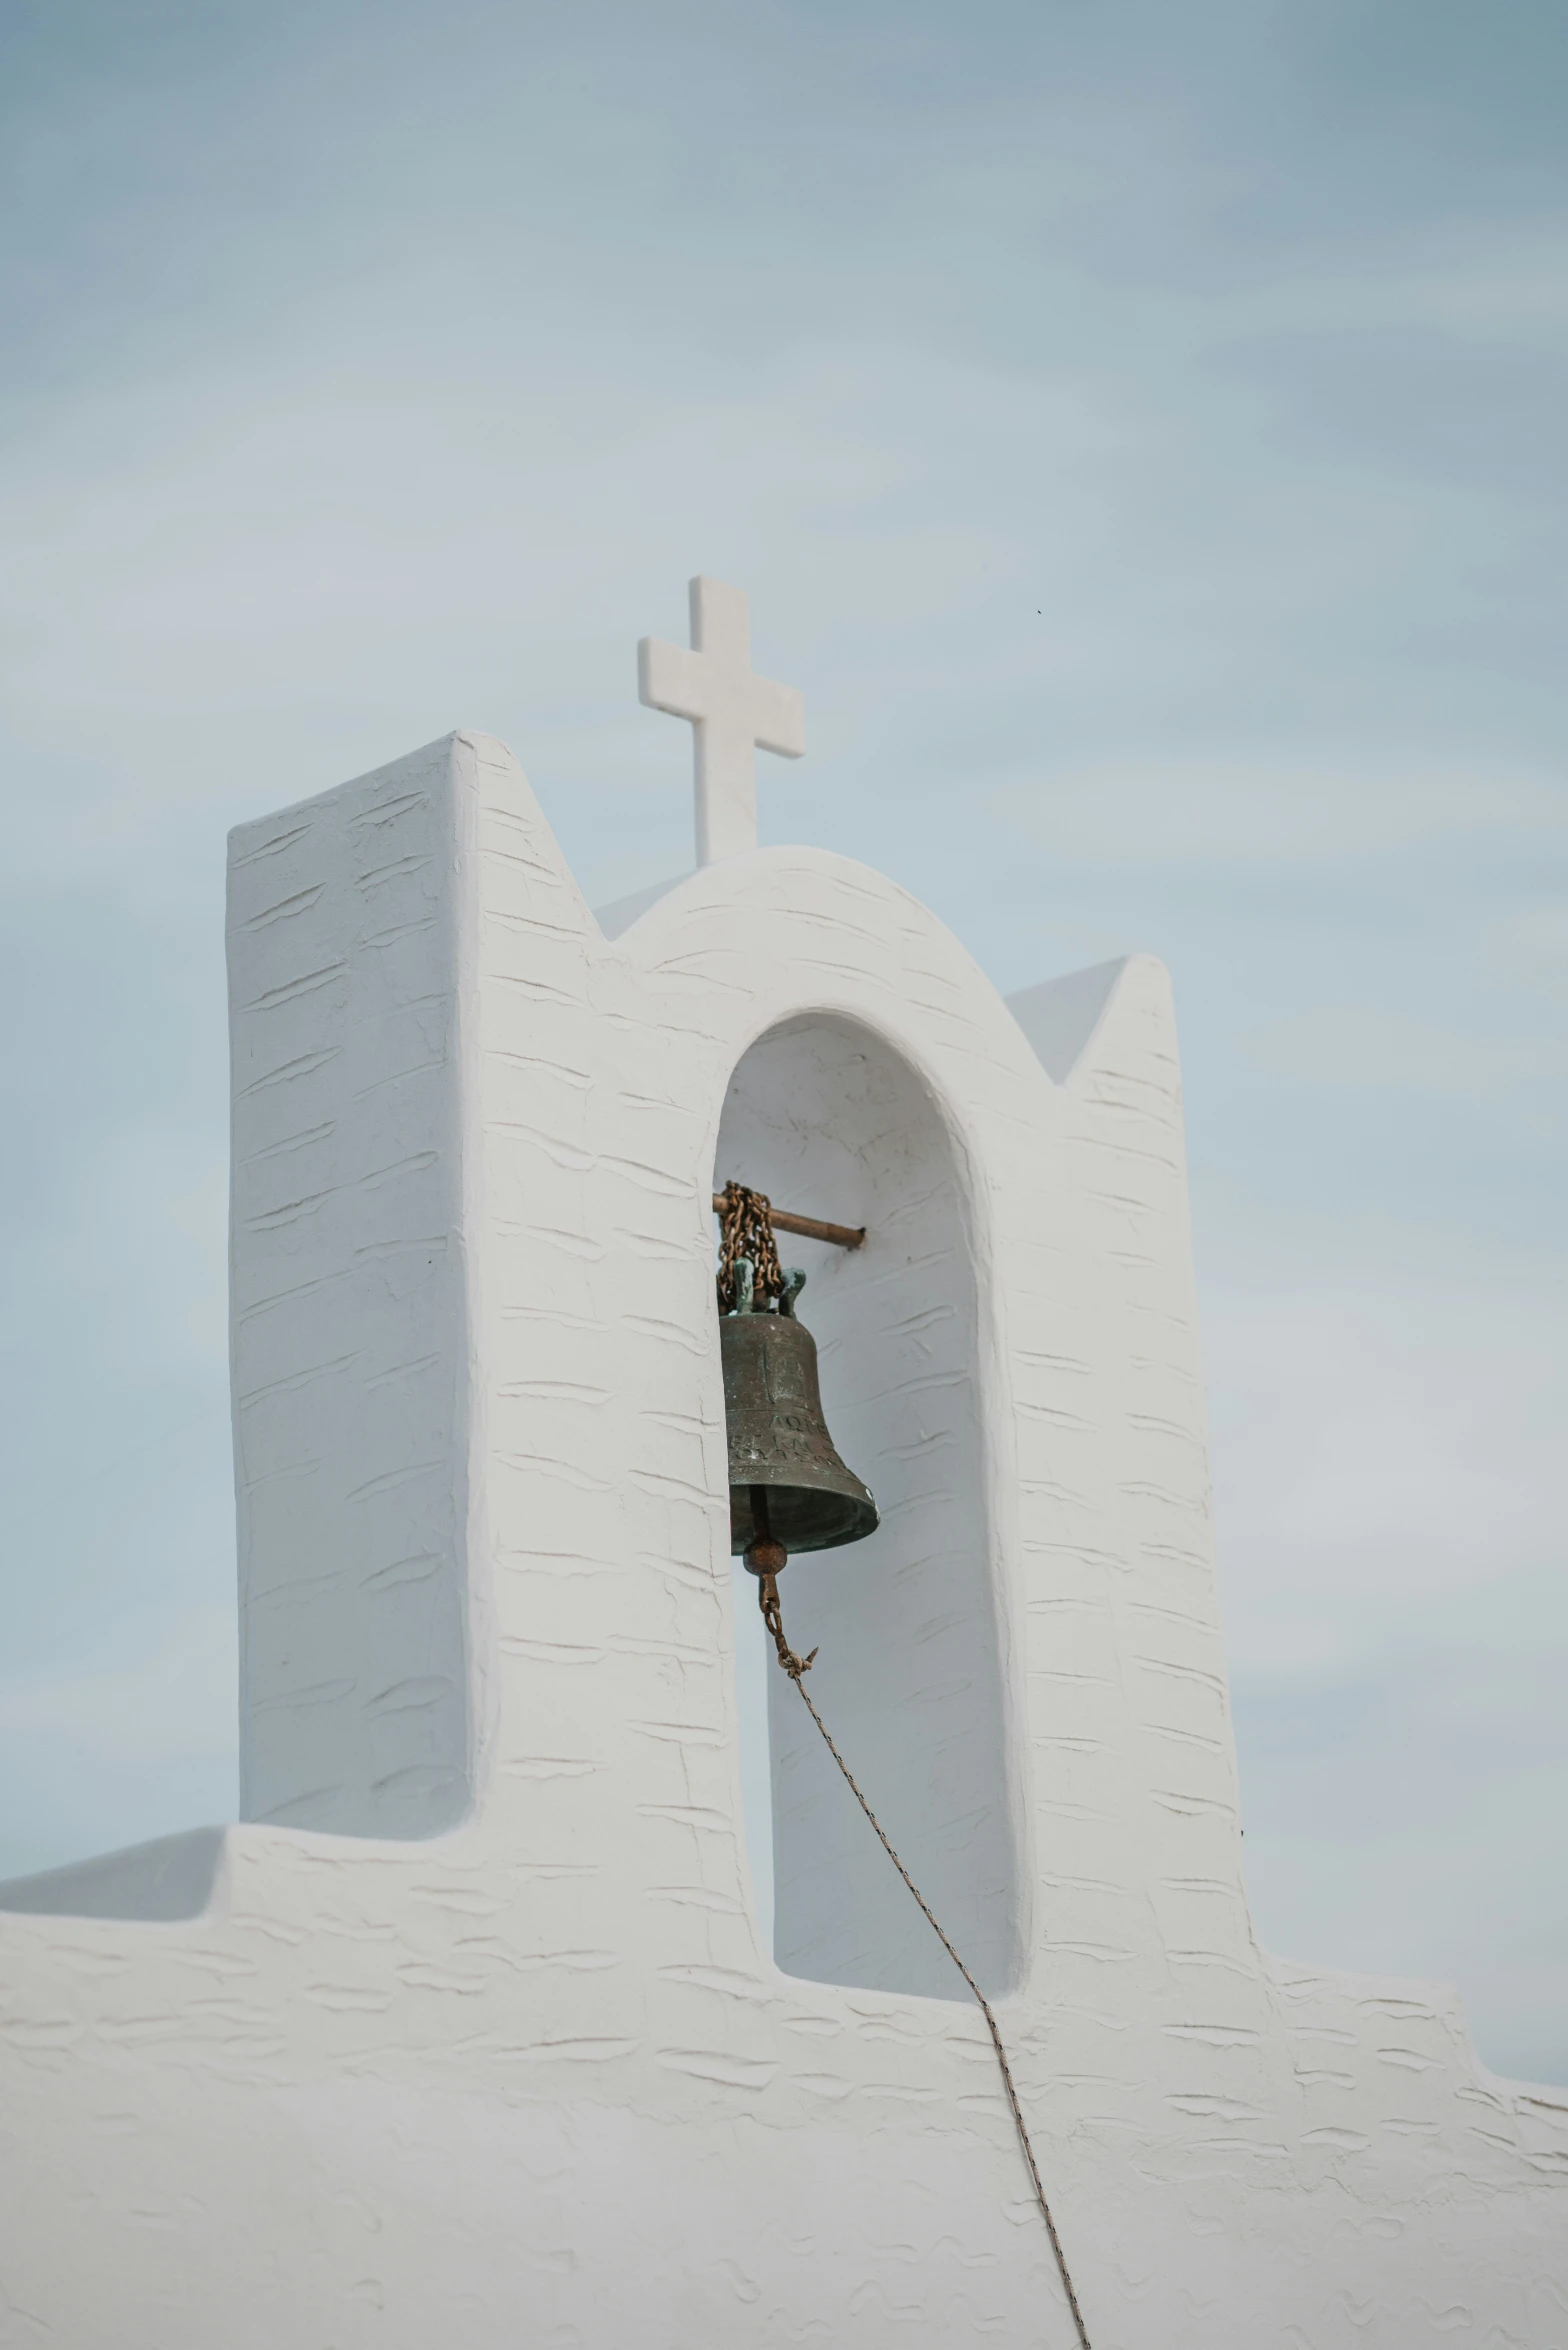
(467, 2032)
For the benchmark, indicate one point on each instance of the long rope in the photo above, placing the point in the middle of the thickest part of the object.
(797, 1668)
(746, 1232)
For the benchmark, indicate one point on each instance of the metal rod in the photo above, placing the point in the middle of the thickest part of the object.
(809, 1227)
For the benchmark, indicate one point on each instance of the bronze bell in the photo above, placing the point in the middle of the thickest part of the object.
(788, 1488)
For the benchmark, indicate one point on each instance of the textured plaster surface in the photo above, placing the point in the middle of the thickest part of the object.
(505, 2063)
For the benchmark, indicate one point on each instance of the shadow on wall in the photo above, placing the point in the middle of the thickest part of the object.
(828, 1119)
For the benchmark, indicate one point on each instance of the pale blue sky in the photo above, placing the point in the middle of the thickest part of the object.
(1140, 430)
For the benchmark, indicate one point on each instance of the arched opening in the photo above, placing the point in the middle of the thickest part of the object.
(829, 1119)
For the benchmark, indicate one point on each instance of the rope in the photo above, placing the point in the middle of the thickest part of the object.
(746, 1230)
(797, 1668)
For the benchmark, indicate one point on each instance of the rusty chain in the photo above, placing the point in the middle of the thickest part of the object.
(746, 1230)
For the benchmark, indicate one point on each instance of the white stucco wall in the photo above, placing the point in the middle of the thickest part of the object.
(507, 2063)
(351, 1315)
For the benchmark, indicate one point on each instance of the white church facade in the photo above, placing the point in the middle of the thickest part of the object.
(466, 2034)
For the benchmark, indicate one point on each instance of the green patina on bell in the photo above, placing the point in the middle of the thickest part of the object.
(788, 1486)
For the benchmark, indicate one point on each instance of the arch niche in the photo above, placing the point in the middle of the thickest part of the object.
(830, 1118)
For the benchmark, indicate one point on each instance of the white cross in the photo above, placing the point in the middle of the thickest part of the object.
(732, 712)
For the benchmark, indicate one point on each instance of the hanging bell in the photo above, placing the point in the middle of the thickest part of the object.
(788, 1488)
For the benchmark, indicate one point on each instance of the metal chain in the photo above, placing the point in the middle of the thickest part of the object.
(772, 1616)
(797, 1668)
(746, 1230)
